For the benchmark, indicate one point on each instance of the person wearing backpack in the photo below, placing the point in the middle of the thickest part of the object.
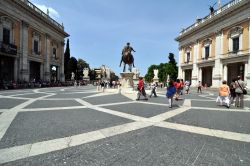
(239, 86)
(171, 90)
(232, 91)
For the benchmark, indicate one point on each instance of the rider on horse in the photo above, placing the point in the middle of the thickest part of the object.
(127, 57)
(127, 48)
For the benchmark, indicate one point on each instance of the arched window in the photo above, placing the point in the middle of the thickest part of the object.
(54, 50)
(6, 30)
(206, 48)
(235, 39)
(188, 54)
(54, 53)
(36, 43)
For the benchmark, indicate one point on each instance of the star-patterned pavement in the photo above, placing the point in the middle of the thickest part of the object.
(81, 126)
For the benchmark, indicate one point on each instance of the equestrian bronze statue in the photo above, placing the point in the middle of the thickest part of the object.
(127, 57)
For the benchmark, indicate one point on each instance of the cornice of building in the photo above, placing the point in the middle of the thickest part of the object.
(219, 14)
(40, 15)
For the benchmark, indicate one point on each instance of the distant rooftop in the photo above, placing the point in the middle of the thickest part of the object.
(210, 16)
(39, 11)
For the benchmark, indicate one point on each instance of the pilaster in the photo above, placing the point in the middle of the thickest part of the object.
(1, 30)
(200, 75)
(179, 68)
(248, 66)
(15, 69)
(24, 73)
(58, 73)
(42, 71)
(195, 66)
(47, 58)
(225, 72)
(245, 71)
(62, 76)
(217, 72)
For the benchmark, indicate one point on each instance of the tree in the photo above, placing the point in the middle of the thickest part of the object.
(72, 65)
(113, 77)
(173, 67)
(92, 74)
(66, 61)
(171, 59)
(150, 74)
(164, 69)
(163, 72)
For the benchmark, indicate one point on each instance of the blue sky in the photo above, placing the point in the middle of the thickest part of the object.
(99, 29)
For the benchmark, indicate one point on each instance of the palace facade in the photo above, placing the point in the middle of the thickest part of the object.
(31, 43)
(217, 47)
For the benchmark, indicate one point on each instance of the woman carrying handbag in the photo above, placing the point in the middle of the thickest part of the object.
(239, 86)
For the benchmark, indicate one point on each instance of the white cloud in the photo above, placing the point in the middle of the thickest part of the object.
(52, 12)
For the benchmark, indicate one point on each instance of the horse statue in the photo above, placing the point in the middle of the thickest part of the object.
(127, 58)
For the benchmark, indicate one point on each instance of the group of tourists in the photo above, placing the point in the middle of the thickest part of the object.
(173, 89)
(228, 95)
(232, 94)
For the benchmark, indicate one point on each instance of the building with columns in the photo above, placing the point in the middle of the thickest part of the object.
(31, 43)
(217, 47)
(104, 73)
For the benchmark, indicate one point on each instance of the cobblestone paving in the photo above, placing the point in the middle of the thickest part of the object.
(80, 126)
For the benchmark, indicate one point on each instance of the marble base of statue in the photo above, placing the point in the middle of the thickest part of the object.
(127, 82)
(156, 79)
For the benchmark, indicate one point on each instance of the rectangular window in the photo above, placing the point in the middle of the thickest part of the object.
(54, 53)
(206, 52)
(236, 44)
(36, 47)
(188, 57)
(6, 36)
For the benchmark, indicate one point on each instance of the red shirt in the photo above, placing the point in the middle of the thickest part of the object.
(177, 85)
(140, 84)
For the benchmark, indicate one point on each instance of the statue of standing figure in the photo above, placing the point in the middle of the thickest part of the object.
(85, 72)
(211, 8)
(156, 73)
(127, 57)
(72, 76)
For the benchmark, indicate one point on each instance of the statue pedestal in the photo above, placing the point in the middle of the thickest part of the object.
(86, 79)
(127, 81)
(136, 81)
(156, 79)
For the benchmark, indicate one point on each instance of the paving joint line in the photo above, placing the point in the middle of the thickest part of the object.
(148, 122)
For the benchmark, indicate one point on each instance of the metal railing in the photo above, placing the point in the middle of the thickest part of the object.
(39, 11)
(35, 52)
(8, 48)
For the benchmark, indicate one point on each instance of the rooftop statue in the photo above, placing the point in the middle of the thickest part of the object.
(211, 8)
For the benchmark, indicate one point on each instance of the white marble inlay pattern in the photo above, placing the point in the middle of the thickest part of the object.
(24, 151)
